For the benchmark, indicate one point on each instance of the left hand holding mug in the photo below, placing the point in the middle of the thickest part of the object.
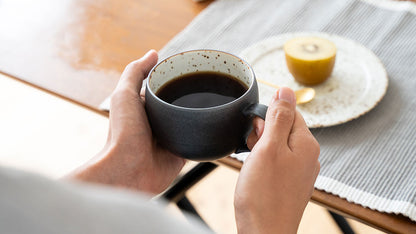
(131, 158)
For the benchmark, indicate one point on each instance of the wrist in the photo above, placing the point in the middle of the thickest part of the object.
(114, 166)
(96, 169)
(260, 219)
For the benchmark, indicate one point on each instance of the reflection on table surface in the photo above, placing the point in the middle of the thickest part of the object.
(77, 49)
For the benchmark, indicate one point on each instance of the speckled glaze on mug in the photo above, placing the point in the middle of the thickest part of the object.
(202, 134)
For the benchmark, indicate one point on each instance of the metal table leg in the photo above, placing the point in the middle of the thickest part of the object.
(176, 193)
(342, 223)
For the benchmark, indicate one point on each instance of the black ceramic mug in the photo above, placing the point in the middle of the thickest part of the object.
(203, 134)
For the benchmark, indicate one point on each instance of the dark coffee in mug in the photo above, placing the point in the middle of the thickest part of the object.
(202, 90)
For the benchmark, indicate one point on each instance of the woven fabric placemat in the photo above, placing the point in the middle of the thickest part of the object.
(370, 160)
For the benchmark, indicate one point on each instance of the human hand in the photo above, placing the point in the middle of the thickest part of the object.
(276, 180)
(131, 158)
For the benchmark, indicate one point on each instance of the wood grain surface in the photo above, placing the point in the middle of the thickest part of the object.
(76, 49)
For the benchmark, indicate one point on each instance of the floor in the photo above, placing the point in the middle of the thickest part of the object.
(46, 135)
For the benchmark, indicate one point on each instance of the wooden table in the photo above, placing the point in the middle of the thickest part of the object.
(76, 49)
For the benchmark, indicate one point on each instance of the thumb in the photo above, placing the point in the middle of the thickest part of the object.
(280, 116)
(136, 71)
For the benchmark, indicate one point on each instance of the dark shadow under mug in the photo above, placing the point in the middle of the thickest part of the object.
(203, 134)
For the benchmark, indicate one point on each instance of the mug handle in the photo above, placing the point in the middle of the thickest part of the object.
(252, 111)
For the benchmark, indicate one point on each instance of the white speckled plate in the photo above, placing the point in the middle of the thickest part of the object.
(358, 81)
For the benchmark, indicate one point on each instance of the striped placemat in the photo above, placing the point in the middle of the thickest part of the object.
(371, 160)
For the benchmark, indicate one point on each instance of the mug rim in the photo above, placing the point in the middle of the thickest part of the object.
(201, 108)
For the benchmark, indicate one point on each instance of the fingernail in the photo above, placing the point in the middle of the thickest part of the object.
(148, 53)
(257, 131)
(287, 95)
(274, 97)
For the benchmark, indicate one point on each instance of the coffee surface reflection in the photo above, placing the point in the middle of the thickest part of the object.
(202, 90)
